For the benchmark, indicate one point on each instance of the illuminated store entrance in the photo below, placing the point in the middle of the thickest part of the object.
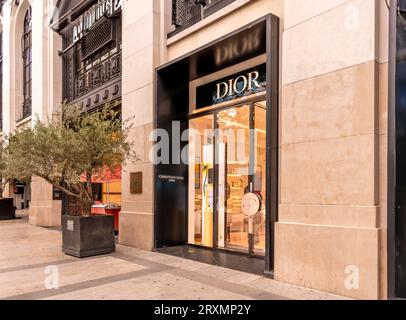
(227, 166)
(216, 176)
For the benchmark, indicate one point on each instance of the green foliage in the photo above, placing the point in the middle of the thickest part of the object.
(66, 150)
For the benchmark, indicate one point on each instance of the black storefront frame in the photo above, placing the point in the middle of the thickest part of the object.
(391, 248)
(170, 93)
(396, 211)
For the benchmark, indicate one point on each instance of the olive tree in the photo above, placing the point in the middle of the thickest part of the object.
(68, 149)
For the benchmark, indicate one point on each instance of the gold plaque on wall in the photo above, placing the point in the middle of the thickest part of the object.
(136, 182)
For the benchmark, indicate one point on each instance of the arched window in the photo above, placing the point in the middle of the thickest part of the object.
(27, 63)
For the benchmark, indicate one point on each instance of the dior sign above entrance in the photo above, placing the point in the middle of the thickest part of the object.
(103, 8)
(233, 87)
(238, 85)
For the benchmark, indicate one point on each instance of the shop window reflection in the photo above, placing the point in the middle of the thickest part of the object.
(227, 152)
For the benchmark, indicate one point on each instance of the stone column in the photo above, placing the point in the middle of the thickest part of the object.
(9, 75)
(143, 22)
(46, 95)
(331, 230)
(8, 69)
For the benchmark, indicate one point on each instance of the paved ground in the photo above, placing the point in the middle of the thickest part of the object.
(26, 252)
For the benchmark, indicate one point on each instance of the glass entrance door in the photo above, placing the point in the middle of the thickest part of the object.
(241, 142)
(201, 181)
(227, 167)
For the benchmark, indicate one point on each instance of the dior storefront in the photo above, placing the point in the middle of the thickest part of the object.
(220, 192)
(277, 131)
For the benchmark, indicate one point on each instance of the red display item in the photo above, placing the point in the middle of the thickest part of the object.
(104, 210)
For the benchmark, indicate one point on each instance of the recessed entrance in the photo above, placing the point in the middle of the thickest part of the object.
(227, 170)
(218, 186)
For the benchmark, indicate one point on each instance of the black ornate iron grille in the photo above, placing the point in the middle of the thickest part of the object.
(215, 5)
(92, 65)
(186, 13)
(92, 76)
(100, 35)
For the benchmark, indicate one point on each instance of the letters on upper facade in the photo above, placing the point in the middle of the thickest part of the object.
(95, 13)
(234, 50)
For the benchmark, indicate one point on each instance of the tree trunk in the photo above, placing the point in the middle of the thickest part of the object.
(86, 207)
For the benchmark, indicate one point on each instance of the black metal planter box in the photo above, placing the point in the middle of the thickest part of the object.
(7, 211)
(88, 236)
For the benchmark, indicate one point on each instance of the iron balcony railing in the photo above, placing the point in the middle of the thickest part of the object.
(186, 13)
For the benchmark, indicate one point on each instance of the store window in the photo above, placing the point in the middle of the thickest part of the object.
(228, 162)
(27, 64)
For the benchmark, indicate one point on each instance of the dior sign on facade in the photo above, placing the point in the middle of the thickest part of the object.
(101, 9)
(235, 86)
(238, 85)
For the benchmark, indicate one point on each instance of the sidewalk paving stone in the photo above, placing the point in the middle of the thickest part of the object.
(26, 251)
